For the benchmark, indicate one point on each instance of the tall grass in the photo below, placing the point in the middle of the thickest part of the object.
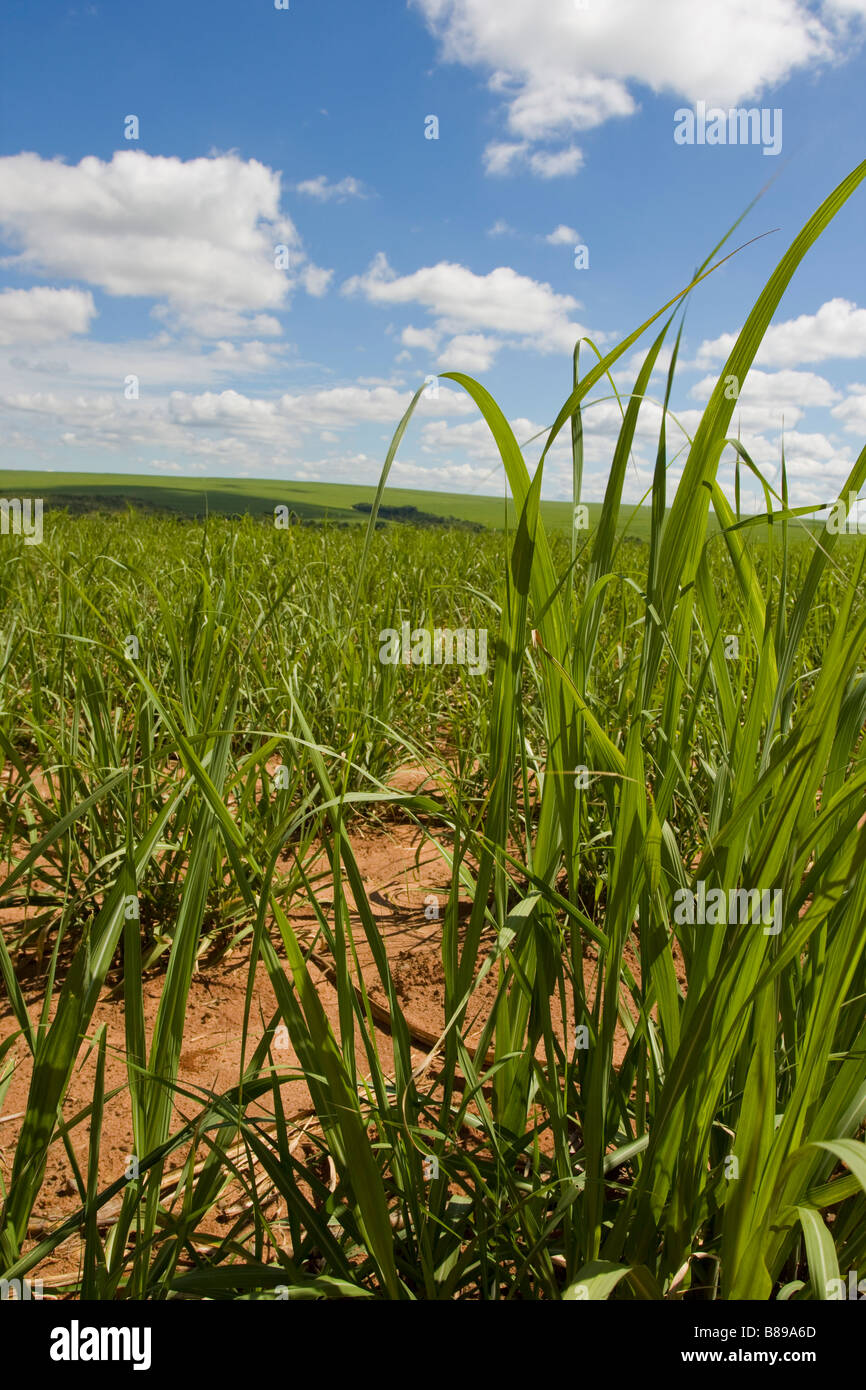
(721, 1155)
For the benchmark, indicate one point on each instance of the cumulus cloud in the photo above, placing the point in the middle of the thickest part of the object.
(504, 157)
(562, 236)
(359, 467)
(502, 302)
(325, 192)
(500, 156)
(197, 235)
(214, 321)
(553, 164)
(160, 361)
(471, 437)
(469, 352)
(560, 69)
(767, 400)
(776, 389)
(232, 431)
(837, 330)
(443, 439)
(573, 103)
(426, 338)
(315, 280)
(335, 407)
(852, 410)
(635, 361)
(816, 465)
(71, 409)
(170, 466)
(43, 315)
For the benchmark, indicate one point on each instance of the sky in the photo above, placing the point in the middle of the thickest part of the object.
(237, 235)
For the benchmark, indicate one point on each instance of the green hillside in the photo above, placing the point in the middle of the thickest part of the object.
(259, 496)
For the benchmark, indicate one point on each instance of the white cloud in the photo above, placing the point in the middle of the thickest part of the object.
(323, 191)
(220, 408)
(335, 407)
(446, 477)
(43, 315)
(359, 467)
(397, 379)
(160, 361)
(70, 409)
(816, 465)
(847, 9)
(852, 411)
(234, 432)
(315, 280)
(560, 69)
(426, 338)
(237, 433)
(198, 235)
(213, 321)
(572, 103)
(471, 437)
(837, 330)
(635, 361)
(775, 389)
(243, 358)
(562, 236)
(501, 228)
(469, 352)
(502, 302)
(554, 164)
(767, 400)
(500, 156)
(818, 446)
(168, 466)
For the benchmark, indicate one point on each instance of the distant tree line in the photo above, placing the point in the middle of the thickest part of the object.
(413, 517)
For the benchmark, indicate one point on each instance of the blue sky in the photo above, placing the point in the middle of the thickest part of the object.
(153, 258)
